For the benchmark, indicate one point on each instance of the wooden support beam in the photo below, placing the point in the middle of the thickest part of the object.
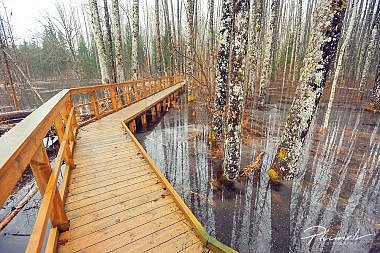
(60, 132)
(42, 171)
(132, 126)
(143, 122)
(95, 104)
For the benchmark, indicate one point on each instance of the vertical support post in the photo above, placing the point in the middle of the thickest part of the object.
(143, 122)
(60, 132)
(132, 126)
(136, 92)
(150, 88)
(158, 110)
(95, 104)
(128, 94)
(113, 98)
(145, 94)
(42, 170)
(153, 113)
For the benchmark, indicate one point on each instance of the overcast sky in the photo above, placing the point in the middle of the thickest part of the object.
(25, 14)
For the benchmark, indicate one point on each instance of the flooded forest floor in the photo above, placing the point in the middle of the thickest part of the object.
(337, 186)
(334, 195)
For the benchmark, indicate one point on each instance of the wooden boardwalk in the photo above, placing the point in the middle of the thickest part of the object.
(115, 200)
(112, 197)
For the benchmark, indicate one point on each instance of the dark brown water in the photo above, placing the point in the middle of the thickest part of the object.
(336, 188)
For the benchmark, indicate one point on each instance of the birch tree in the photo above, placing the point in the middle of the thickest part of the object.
(109, 44)
(374, 105)
(222, 68)
(98, 35)
(239, 40)
(338, 67)
(135, 36)
(321, 51)
(253, 49)
(268, 55)
(370, 51)
(190, 48)
(120, 72)
(158, 38)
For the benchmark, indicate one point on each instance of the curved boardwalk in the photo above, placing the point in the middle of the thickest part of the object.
(115, 200)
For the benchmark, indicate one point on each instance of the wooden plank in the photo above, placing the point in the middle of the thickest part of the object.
(115, 216)
(136, 193)
(124, 232)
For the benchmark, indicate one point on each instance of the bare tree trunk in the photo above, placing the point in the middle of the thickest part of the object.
(297, 42)
(222, 67)
(371, 51)
(269, 47)
(95, 20)
(338, 66)
(158, 38)
(135, 36)
(109, 44)
(321, 52)
(232, 147)
(190, 49)
(210, 41)
(118, 42)
(253, 53)
(375, 97)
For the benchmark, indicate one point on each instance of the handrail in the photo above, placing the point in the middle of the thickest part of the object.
(23, 144)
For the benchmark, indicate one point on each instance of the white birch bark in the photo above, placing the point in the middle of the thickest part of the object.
(135, 35)
(370, 52)
(239, 40)
(254, 33)
(98, 35)
(269, 46)
(118, 42)
(190, 45)
(338, 67)
(222, 62)
(321, 51)
(158, 39)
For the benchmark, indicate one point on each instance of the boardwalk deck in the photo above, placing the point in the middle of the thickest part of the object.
(115, 201)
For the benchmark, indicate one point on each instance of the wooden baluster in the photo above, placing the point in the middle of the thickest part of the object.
(145, 91)
(136, 92)
(150, 87)
(60, 132)
(132, 126)
(127, 95)
(42, 170)
(158, 110)
(95, 104)
(114, 98)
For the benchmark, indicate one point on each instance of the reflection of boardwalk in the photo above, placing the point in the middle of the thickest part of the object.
(115, 199)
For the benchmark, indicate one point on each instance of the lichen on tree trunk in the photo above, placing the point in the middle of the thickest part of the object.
(375, 97)
(326, 32)
(239, 42)
(135, 35)
(222, 68)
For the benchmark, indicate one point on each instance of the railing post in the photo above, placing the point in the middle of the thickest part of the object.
(150, 87)
(153, 113)
(42, 170)
(60, 132)
(128, 94)
(145, 92)
(113, 98)
(95, 104)
(136, 92)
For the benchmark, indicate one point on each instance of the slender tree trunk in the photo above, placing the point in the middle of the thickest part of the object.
(297, 43)
(222, 68)
(109, 44)
(190, 49)
(321, 52)
(158, 38)
(98, 35)
(370, 52)
(254, 36)
(135, 36)
(338, 66)
(375, 97)
(239, 41)
(210, 41)
(269, 47)
(118, 42)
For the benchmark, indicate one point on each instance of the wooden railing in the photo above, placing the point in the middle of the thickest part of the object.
(23, 145)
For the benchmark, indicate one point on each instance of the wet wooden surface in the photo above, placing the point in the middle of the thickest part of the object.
(115, 201)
